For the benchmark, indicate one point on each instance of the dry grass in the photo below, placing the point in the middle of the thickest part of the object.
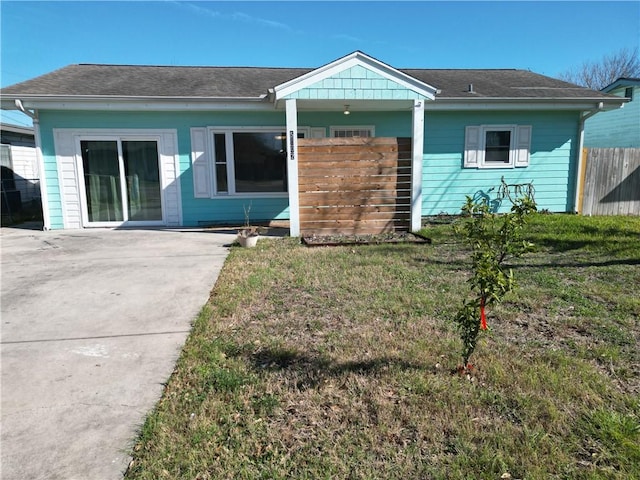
(337, 363)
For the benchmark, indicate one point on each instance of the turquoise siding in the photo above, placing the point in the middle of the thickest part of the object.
(356, 83)
(197, 211)
(616, 128)
(194, 210)
(387, 124)
(50, 173)
(445, 182)
(552, 163)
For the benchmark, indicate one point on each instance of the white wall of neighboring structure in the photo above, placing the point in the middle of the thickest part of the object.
(25, 163)
(19, 154)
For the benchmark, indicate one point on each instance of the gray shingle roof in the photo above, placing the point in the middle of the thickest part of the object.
(245, 82)
(156, 81)
(499, 84)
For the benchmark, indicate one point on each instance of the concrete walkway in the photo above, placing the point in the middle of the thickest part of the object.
(92, 324)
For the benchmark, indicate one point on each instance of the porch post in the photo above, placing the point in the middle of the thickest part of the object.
(417, 149)
(292, 166)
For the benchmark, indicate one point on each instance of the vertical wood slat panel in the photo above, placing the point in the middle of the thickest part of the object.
(331, 180)
(612, 182)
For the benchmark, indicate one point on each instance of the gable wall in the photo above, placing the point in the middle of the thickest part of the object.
(552, 165)
(615, 128)
(355, 83)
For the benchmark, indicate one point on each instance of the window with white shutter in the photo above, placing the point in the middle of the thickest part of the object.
(240, 161)
(497, 146)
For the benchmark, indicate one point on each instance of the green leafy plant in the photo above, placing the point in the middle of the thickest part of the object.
(493, 238)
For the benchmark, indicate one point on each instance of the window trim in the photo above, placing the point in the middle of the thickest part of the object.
(231, 181)
(482, 150)
(67, 155)
(335, 128)
(475, 146)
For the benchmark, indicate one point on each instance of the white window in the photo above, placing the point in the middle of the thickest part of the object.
(240, 161)
(352, 131)
(497, 146)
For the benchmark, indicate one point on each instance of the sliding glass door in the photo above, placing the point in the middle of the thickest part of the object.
(121, 181)
(142, 175)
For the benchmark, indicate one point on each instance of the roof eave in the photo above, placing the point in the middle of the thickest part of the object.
(513, 103)
(7, 127)
(621, 82)
(88, 102)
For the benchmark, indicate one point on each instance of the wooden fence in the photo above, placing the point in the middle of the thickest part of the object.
(611, 181)
(354, 185)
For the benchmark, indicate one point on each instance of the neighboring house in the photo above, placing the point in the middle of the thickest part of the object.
(618, 128)
(187, 146)
(19, 163)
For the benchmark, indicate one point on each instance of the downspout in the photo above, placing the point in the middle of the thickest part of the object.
(43, 183)
(583, 118)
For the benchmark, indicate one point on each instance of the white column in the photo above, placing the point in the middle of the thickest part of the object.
(292, 167)
(417, 149)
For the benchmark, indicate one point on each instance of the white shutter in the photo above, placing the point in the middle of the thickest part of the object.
(170, 166)
(523, 145)
(472, 147)
(200, 163)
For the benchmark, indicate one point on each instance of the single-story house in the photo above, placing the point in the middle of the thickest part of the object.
(124, 145)
(618, 128)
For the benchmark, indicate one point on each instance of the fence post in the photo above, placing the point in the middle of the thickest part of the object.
(582, 173)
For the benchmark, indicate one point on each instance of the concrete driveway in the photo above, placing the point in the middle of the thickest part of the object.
(92, 324)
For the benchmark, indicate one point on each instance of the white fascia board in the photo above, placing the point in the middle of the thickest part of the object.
(458, 104)
(138, 103)
(345, 63)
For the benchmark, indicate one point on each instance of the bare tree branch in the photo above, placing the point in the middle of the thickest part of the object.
(597, 75)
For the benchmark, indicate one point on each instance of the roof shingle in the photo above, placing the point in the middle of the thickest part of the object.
(254, 82)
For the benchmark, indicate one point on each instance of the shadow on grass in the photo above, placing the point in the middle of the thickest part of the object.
(312, 370)
(555, 258)
(577, 264)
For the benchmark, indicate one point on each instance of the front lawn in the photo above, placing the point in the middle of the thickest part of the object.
(338, 362)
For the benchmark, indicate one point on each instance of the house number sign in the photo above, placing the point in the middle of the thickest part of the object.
(292, 153)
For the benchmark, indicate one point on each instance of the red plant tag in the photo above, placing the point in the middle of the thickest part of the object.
(483, 317)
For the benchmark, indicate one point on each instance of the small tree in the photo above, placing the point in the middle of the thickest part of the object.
(493, 238)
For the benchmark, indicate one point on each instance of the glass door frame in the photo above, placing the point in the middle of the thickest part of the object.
(123, 181)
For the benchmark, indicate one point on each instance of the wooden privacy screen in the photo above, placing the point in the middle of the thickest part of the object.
(359, 185)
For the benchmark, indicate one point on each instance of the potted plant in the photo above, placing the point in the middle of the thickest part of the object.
(248, 235)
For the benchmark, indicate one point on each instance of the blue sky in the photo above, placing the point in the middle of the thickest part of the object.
(546, 37)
